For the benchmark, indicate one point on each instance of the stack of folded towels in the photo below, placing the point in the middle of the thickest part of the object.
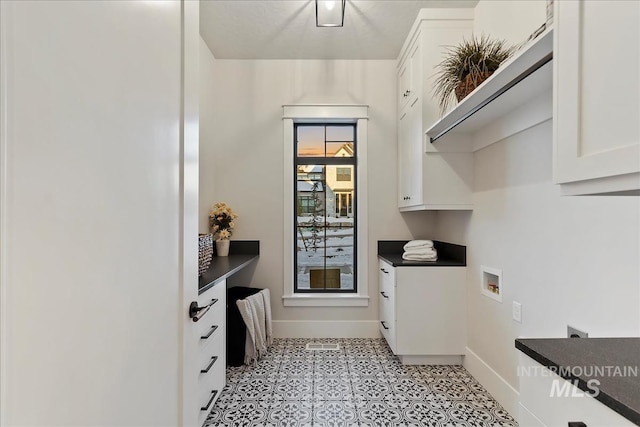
(420, 250)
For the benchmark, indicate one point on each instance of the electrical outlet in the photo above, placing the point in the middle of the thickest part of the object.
(516, 311)
(575, 333)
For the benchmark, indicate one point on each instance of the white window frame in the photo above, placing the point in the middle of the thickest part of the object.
(327, 113)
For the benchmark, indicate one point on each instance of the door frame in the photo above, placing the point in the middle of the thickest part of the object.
(188, 224)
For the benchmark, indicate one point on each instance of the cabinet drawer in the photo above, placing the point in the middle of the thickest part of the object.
(215, 316)
(214, 319)
(386, 303)
(219, 291)
(211, 372)
(388, 330)
(207, 398)
(213, 346)
(387, 274)
(212, 366)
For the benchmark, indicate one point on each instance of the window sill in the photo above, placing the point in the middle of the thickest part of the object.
(325, 300)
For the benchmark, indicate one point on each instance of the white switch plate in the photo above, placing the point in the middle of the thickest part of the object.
(517, 311)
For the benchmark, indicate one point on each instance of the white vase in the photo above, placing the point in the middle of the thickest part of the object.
(222, 247)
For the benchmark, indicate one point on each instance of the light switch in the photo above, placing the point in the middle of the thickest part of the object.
(517, 311)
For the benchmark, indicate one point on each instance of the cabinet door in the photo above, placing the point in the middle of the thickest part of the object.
(404, 156)
(415, 153)
(552, 401)
(430, 310)
(410, 156)
(597, 96)
(404, 81)
(415, 60)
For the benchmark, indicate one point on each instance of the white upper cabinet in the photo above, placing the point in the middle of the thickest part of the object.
(429, 180)
(409, 75)
(597, 96)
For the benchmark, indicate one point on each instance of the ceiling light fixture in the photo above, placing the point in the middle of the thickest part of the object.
(327, 15)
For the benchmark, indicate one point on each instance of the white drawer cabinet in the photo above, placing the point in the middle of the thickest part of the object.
(597, 96)
(212, 351)
(422, 312)
(548, 400)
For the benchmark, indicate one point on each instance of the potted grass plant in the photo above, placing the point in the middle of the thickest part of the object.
(466, 66)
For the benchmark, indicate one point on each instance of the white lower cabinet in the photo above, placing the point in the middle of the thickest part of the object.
(546, 399)
(212, 350)
(422, 312)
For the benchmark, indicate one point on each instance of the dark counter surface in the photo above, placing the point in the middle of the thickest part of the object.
(618, 391)
(241, 254)
(449, 255)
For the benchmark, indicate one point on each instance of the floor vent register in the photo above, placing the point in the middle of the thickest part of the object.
(319, 346)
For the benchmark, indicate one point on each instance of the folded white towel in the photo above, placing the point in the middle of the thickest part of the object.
(418, 244)
(410, 257)
(428, 252)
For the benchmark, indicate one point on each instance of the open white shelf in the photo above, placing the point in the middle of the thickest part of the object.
(520, 79)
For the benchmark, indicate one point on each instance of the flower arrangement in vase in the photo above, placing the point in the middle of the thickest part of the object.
(221, 223)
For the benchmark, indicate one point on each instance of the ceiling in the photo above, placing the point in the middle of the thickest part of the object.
(285, 29)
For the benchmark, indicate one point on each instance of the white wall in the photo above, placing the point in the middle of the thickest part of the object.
(567, 260)
(246, 157)
(91, 208)
(511, 20)
(208, 136)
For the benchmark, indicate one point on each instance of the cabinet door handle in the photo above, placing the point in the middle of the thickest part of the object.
(196, 312)
(577, 424)
(213, 360)
(384, 295)
(213, 329)
(384, 271)
(383, 325)
(213, 396)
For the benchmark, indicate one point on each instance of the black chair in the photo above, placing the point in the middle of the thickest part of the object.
(236, 329)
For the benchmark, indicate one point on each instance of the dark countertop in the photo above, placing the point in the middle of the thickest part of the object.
(619, 392)
(241, 254)
(449, 255)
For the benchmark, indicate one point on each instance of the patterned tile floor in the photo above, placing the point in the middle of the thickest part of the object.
(362, 384)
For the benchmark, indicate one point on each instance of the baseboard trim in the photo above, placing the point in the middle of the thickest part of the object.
(326, 329)
(499, 388)
(431, 360)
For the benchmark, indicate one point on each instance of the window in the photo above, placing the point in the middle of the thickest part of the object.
(343, 174)
(325, 221)
(327, 115)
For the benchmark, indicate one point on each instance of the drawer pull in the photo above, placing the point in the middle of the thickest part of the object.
(213, 329)
(384, 271)
(213, 396)
(383, 325)
(577, 424)
(213, 360)
(196, 313)
(384, 295)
